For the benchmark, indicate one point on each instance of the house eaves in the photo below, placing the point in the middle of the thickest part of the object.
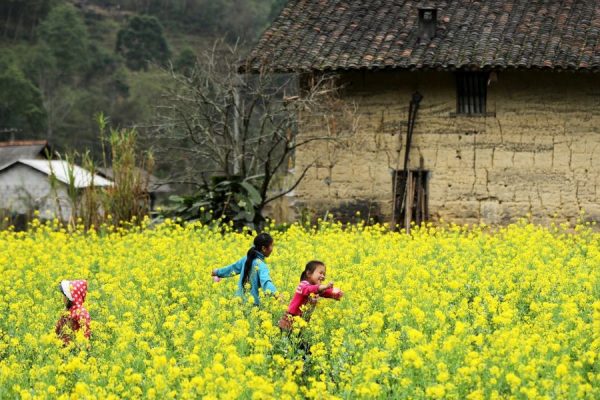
(64, 172)
(332, 35)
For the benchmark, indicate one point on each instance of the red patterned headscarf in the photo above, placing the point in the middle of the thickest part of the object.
(76, 292)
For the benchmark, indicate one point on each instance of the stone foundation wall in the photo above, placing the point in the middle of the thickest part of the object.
(537, 152)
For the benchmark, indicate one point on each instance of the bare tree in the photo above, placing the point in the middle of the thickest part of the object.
(216, 122)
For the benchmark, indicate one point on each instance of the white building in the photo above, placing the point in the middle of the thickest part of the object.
(37, 184)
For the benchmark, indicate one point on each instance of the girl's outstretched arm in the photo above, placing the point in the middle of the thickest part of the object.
(332, 293)
(306, 288)
(264, 278)
(230, 270)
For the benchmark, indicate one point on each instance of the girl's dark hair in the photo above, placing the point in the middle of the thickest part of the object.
(260, 241)
(69, 302)
(310, 268)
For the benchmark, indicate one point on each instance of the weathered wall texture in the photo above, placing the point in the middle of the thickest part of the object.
(539, 154)
(24, 189)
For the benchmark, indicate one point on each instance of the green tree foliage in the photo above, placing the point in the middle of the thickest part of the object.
(65, 34)
(58, 64)
(185, 62)
(21, 105)
(276, 8)
(231, 201)
(74, 75)
(65, 68)
(141, 42)
(235, 19)
(19, 18)
(245, 19)
(102, 61)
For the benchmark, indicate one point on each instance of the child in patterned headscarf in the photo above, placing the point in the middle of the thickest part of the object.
(76, 316)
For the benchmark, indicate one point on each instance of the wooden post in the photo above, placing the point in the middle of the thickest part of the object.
(410, 194)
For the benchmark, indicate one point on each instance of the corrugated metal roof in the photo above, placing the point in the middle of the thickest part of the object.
(62, 170)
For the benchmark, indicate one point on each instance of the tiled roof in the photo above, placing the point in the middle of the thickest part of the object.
(322, 35)
(12, 151)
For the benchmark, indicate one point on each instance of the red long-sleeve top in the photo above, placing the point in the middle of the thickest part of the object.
(307, 293)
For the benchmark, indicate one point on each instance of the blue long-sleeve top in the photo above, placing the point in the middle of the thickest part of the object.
(259, 276)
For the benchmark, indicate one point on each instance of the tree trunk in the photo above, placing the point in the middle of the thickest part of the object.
(18, 27)
(236, 128)
(7, 22)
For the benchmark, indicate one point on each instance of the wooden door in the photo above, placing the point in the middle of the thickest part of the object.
(411, 198)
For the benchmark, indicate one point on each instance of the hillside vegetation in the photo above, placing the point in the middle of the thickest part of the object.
(63, 61)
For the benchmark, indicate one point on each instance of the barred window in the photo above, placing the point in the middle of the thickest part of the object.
(471, 92)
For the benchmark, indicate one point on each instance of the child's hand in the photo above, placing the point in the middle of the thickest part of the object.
(279, 298)
(325, 287)
(337, 292)
(214, 275)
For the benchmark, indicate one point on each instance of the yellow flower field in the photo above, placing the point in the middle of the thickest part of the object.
(449, 313)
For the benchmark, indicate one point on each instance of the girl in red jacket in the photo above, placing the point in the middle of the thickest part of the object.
(76, 315)
(308, 292)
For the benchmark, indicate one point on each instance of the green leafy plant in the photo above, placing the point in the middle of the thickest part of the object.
(233, 200)
(128, 199)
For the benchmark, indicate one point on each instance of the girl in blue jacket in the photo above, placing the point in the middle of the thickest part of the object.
(252, 269)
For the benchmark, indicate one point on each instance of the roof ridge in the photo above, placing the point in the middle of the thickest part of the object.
(317, 35)
(23, 143)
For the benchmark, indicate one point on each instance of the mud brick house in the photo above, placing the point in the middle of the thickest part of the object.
(509, 119)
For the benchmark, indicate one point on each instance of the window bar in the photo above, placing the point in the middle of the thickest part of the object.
(468, 94)
(463, 84)
(481, 93)
(484, 92)
(476, 93)
(459, 94)
(473, 94)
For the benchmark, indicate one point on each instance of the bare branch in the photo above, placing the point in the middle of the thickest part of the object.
(294, 186)
(216, 119)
